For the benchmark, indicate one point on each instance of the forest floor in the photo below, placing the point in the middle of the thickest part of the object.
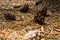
(24, 27)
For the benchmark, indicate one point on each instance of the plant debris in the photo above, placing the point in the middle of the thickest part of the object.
(29, 19)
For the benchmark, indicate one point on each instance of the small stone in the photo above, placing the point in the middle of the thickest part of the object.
(9, 16)
(25, 8)
(39, 20)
